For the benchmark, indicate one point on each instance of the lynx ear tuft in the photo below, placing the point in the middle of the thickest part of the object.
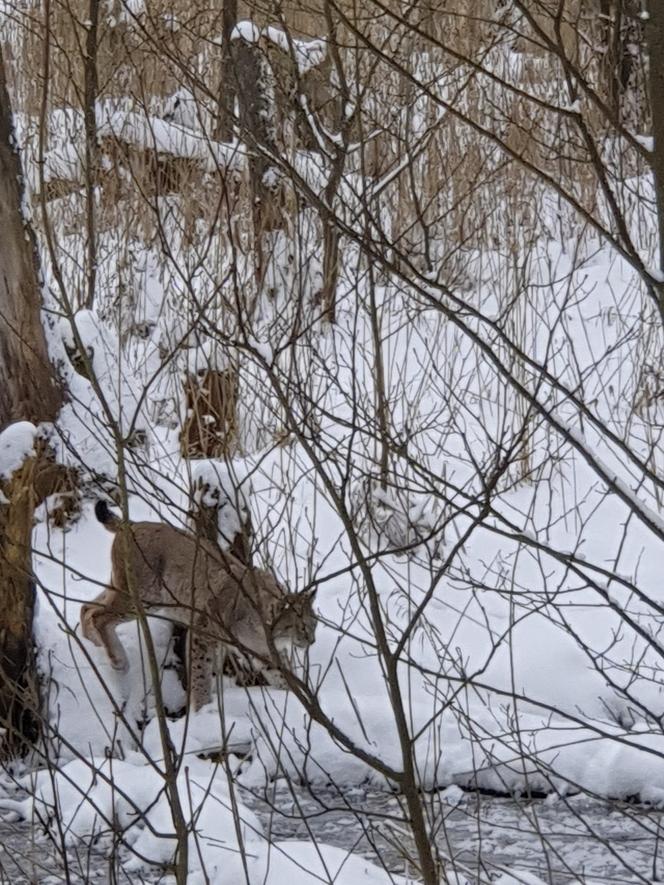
(310, 594)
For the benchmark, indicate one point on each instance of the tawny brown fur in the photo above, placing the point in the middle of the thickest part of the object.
(189, 580)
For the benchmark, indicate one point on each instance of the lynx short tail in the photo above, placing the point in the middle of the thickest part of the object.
(106, 518)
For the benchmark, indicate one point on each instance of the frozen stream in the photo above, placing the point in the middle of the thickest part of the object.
(561, 840)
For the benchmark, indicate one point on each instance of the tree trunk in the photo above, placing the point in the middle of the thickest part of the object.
(655, 38)
(227, 90)
(28, 389)
(91, 149)
(253, 75)
(28, 392)
(19, 703)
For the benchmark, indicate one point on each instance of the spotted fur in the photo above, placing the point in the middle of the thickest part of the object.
(225, 604)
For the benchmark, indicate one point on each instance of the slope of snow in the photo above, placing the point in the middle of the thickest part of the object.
(16, 444)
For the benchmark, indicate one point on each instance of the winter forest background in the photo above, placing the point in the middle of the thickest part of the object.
(370, 294)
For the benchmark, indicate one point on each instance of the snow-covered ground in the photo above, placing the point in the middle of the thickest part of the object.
(527, 670)
(510, 551)
(571, 841)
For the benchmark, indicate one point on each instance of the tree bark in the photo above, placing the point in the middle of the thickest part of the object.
(28, 389)
(91, 148)
(227, 88)
(252, 74)
(655, 38)
(28, 392)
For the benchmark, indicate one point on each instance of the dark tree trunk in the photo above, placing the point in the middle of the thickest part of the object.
(19, 706)
(28, 392)
(91, 147)
(621, 34)
(252, 74)
(655, 38)
(227, 89)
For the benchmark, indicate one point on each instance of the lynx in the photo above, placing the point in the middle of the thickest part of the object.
(191, 581)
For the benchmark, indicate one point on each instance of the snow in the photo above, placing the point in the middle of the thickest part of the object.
(577, 747)
(178, 132)
(452, 795)
(86, 416)
(227, 488)
(16, 444)
(152, 133)
(218, 844)
(307, 54)
(263, 349)
(525, 663)
(247, 31)
(657, 273)
(647, 514)
(91, 799)
(542, 663)
(573, 108)
(647, 142)
(302, 863)
(521, 878)
(85, 796)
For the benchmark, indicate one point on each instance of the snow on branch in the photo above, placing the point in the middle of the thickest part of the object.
(617, 485)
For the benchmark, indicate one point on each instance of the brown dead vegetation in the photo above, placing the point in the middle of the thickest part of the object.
(210, 428)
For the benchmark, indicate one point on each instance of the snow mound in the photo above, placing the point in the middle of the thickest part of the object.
(303, 863)
(91, 800)
(308, 53)
(221, 485)
(16, 444)
(152, 133)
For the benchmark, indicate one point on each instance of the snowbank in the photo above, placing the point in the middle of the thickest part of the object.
(16, 444)
(152, 133)
(226, 487)
(568, 735)
(94, 801)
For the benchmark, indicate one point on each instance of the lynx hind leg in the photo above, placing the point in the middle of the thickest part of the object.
(98, 627)
(200, 659)
(114, 648)
(89, 614)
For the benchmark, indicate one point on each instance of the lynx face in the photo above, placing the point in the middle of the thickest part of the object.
(294, 621)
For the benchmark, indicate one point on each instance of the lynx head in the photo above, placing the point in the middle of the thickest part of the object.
(294, 621)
